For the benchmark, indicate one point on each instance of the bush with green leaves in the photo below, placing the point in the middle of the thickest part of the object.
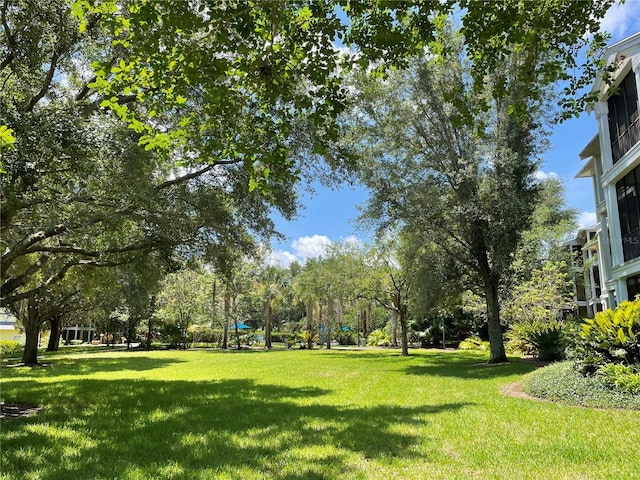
(205, 335)
(519, 347)
(623, 378)
(474, 343)
(10, 347)
(547, 339)
(379, 338)
(309, 338)
(345, 337)
(559, 382)
(612, 336)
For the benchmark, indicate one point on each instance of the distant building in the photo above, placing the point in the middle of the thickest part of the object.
(585, 270)
(84, 333)
(9, 328)
(613, 163)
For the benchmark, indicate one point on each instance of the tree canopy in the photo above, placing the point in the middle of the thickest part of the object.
(134, 130)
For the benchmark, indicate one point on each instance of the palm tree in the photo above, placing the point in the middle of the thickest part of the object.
(271, 289)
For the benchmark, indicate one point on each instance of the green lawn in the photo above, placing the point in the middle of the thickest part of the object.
(301, 415)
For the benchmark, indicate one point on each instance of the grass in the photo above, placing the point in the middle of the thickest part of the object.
(301, 415)
(561, 383)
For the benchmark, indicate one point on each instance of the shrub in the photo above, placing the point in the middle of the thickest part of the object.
(379, 338)
(309, 338)
(623, 378)
(203, 334)
(613, 336)
(560, 382)
(346, 337)
(518, 346)
(547, 337)
(10, 347)
(474, 343)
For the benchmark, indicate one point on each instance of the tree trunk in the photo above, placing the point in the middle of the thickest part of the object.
(227, 315)
(321, 315)
(366, 324)
(329, 323)
(225, 335)
(225, 320)
(394, 328)
(235, 320)
(267, 327)
(310, 325)
(405, 336)
(30, 354)
(54, 337)
(149, 331)
(31, 323)
(131, 323)
(496, 345)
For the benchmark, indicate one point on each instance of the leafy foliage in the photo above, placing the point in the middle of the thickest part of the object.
(623, 378)
(6, 136)
(345, 337)
(183, 301)
(474, 343)
(445, 169)
(612, 336)
(542, 296)
(560, 382)
(379, 338)
(10, 347)
(547, 337)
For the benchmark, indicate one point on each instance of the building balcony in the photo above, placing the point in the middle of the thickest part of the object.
(626, 141)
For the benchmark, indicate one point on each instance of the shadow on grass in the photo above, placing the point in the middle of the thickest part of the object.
(89, 365)
(466, 365)
(153, 429)
(354, 354)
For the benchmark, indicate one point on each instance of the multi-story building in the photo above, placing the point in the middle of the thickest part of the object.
(585, 270)
(613, 162)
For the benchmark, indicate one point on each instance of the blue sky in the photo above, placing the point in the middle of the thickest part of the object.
(329, 215)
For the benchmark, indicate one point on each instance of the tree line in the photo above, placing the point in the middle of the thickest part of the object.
(138, 134)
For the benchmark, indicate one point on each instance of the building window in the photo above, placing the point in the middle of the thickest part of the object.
(629, 213)
(633, 287)
(596, 281)
(624, 127)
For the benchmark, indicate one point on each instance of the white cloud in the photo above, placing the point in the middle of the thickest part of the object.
(541, 175)
(354, 241)
(309, 247)
(281, 257)
(587, 219)
(622, 19)
(313, 246)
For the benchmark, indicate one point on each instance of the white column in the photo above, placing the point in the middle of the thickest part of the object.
(621, 290)
(602, 115)
(597, 178)
(636, 71)
(615, 235)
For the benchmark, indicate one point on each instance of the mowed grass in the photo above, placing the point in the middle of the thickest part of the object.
(301, 415)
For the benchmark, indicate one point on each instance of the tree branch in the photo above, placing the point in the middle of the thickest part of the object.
(47, 81)
(11, 284)
(18, 250)
(11, 41)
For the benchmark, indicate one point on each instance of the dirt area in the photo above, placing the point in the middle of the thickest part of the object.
(515, 389)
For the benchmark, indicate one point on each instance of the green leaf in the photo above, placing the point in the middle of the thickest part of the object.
(6, 137)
